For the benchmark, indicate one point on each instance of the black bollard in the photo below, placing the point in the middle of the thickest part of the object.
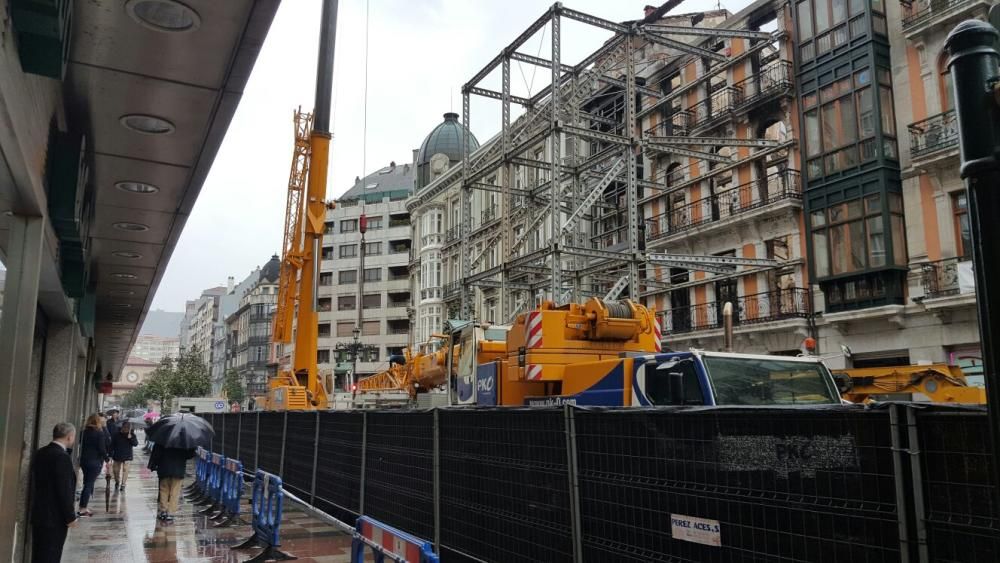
(975, 68)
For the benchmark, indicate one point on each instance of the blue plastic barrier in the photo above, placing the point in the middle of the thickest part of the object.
(388, 543)
(215, 470)
(266, 510)
(232, 493)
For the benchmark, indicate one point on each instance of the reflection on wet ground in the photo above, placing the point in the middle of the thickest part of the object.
(129, 530)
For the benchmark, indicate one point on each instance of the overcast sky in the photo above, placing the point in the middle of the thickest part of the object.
(420, 52)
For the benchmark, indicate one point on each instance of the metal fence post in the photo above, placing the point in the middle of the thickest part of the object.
(918, 484)
(284, 438)
(239, 432)
(437, 481)
(222, 440)
(312, 491)
(364, 454)
(574, 483)
(256, 445)
(897, 468)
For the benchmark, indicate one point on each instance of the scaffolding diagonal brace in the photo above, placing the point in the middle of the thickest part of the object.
(616, 290)
(712, 141)
(705, 31)
(694, 266)
(615, 170)
(683, 47)
(685, 152)
(497, 95)
(713, 260)
(593, 135)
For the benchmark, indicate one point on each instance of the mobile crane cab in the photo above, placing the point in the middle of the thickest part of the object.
(721, 378)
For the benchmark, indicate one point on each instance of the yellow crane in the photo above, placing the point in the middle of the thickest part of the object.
(299, 387)
(940, 383)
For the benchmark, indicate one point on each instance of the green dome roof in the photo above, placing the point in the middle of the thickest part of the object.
(446, 138)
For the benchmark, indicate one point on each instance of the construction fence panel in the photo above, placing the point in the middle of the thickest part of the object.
(216, 423)
(727, 485)
(398, 479)
(300, 440)
(338, 467)
(505, 485)
(231, 434)
(270, 441)
(958, 490)
(248, 441)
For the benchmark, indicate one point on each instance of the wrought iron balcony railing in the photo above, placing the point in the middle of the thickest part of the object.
(727, 203)
(757, 308)
(719, 105)
(933, 134)
(924, 11)
(947, 277)
(773, 80)
(452, 290)
(489, 214)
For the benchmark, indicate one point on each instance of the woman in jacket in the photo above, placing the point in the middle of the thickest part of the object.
(93, 455)
(122, 443)
(169, 464)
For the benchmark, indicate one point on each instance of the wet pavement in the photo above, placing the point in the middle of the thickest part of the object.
(129, 531)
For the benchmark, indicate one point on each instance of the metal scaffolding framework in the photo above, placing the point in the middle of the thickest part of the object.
(586, 156)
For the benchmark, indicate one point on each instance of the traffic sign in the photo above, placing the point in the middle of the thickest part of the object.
(220, 405)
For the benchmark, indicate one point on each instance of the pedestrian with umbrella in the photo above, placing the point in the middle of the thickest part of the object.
(175, 438)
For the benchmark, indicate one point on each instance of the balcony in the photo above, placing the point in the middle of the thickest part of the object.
(755, 309)
(453, 235)
(920, 15)
(715, 108)
(946, 278)
(452, 290)
(933, 134)
(489, 214)
(773, 81)
(780, 186)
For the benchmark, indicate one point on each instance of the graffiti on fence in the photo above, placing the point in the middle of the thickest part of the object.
(787, 454)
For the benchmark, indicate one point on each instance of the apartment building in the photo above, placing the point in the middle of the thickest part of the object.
(248, 329)
(199, 321)
(374, 299)
(798, 160)
(153, 348)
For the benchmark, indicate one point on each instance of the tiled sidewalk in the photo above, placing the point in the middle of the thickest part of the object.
(130, 532)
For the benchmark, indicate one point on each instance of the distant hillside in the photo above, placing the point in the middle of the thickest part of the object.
(162, 323)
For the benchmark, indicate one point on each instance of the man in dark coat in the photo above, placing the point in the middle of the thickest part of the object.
(114, 422)
(53, 482)
(169, 464)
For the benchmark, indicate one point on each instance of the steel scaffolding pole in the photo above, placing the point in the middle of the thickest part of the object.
(466, 215)
(554, 152)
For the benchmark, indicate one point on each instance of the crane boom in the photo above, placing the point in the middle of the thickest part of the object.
(300, 386)
(291, 248)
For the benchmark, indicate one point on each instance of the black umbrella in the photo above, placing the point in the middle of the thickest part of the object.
(182, 430)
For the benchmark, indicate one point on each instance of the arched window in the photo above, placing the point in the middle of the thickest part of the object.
(944, 84)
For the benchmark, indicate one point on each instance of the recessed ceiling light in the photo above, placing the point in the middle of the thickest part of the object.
(147, 124)
(123, 276)
(128, 226)
(137, 187)
(123, 305)
(163, 15)
(127, 254)
(121, 292)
